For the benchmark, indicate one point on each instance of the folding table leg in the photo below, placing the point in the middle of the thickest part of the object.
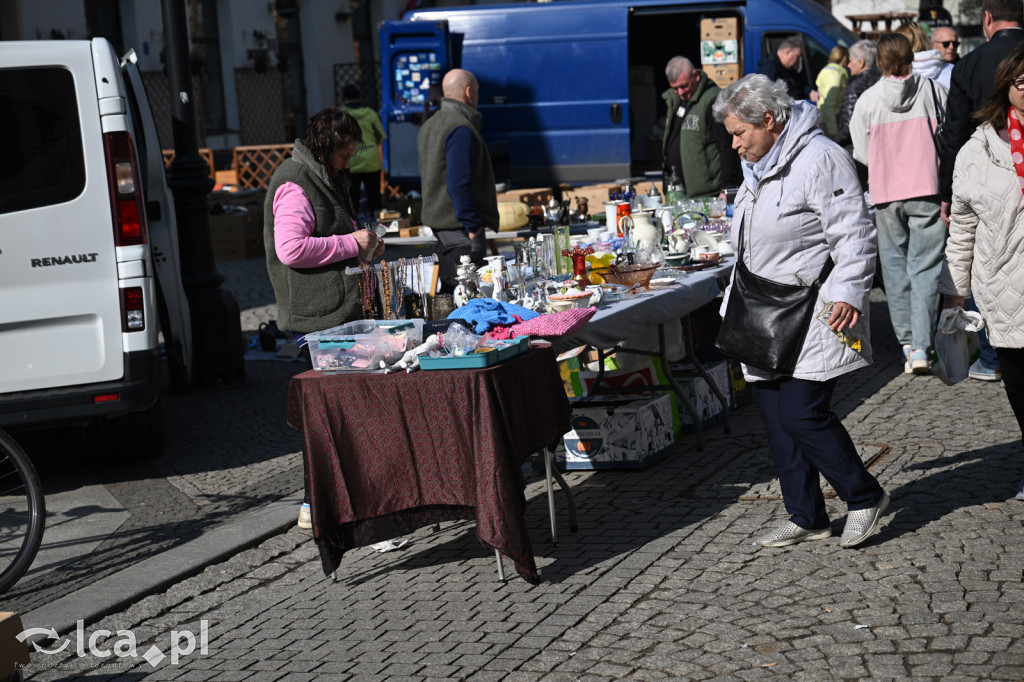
(551, 495)
(501, 568)
(570, 500)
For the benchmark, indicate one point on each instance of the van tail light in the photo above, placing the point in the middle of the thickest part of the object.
(133, 315)
(125, 189)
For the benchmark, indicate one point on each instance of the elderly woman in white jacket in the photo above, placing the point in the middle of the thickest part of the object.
(985, 250)
(799, 204)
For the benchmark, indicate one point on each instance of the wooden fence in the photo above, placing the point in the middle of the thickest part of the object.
(207, 155)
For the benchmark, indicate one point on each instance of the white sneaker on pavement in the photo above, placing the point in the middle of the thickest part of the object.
(789, 534)
(862, 523)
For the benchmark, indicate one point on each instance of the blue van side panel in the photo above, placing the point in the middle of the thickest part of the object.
(554, 77)
(547, 111)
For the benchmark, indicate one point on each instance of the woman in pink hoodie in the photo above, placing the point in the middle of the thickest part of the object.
(895, 133)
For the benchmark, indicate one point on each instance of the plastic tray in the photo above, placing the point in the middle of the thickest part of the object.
(477, 360)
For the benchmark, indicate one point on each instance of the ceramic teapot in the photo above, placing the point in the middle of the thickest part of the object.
(641, 225)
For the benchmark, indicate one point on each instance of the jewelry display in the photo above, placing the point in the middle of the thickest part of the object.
(366, 291)
(385, 274)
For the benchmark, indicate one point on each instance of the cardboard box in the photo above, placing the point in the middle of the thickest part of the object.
(719, 28)
(611, 433)
(13, 654)
(723, 74)
(236, 224)
(719, 52)
(596, 195)
(699, 393)
(236, 236)
(539, 196)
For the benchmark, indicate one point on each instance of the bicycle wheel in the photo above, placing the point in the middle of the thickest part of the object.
(22, 512)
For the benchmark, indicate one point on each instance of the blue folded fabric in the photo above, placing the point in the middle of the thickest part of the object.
(484, 313)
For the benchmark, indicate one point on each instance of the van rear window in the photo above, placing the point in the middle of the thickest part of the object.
(40, 140)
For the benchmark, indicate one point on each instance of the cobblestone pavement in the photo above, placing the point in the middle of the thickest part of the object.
(226, 450)
(662, 581)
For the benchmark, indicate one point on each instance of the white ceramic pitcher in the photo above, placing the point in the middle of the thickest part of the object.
(639, 226)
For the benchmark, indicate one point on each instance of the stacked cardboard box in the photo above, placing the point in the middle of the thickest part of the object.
(700, 394)
(609, 432)
(719, 49)
(236, 224)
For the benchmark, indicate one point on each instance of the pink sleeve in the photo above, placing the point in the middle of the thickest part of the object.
(293, 225)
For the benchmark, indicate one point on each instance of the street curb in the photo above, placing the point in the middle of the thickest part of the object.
(122, 589)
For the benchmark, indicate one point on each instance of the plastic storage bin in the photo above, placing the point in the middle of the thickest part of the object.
(362, 345)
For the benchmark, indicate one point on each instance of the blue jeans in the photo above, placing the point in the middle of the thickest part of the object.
(911, 246)
(989, 357)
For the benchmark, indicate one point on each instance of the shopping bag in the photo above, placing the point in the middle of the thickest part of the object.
(956, 344)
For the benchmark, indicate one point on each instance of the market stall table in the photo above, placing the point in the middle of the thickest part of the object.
(389, 453)
(617, 321)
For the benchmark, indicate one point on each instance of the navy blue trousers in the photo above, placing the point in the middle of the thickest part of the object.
(806, 438)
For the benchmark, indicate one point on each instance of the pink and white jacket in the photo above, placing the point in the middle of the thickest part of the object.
(895, 133)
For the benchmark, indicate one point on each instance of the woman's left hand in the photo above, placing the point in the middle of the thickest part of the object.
(379, 251)
(843, 317)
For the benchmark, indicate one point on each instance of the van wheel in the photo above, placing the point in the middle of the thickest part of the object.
(137, 435)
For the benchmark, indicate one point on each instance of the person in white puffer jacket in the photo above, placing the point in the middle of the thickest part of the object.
(985, 250)
(800, 204)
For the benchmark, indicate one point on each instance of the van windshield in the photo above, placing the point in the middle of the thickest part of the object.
(41, 139)
(840, 34)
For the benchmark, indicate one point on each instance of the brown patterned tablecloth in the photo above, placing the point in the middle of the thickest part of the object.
(389, 453)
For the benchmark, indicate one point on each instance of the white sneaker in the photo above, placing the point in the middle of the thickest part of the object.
(789, 534)
(1020, 491)
(862, 523)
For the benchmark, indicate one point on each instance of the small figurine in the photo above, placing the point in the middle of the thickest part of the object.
(467, 287)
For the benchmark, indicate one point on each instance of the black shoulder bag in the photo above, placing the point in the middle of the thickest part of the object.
(766, 322)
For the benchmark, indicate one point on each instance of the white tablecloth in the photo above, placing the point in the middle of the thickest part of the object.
(637, 316)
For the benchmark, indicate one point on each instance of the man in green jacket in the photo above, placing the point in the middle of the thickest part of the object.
(365, 166)
(697, 146)
(459, 199)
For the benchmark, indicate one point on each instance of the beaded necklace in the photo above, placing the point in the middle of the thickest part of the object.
(385, 273)
(365, 289)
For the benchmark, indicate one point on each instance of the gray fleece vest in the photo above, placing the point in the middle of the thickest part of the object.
(312, 299)
(438, 212)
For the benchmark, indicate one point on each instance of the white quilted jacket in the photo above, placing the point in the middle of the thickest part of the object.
(985, 250)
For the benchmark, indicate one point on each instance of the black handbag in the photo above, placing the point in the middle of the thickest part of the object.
(766, 322)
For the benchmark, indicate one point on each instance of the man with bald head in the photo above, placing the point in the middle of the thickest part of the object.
(947, 42)
(695, 144)
(459, 200)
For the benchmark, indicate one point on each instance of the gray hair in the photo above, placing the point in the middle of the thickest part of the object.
(791, 43)
(676, 67)
(866, 50)
(748, 98)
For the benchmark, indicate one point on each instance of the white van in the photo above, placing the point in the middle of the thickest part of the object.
(85, 215)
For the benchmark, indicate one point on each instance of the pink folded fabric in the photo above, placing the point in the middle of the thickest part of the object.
(552, 324)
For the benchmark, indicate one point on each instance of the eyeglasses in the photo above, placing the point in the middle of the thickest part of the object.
(1018, 83)
(947, 43)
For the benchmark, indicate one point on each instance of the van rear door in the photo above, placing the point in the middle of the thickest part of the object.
(413, 56)
(60, 307)
(163, 231)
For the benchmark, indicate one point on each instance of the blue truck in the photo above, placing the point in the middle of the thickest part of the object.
(570, 91)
